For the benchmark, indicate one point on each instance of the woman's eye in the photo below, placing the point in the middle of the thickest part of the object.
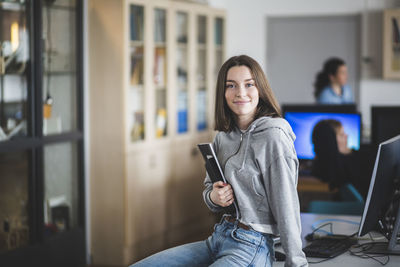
(229, 86)
(249, 84)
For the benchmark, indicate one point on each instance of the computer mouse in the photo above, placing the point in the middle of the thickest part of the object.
(279, 256)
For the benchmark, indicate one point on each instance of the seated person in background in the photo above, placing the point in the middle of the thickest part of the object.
(331, 83)
(335, 163)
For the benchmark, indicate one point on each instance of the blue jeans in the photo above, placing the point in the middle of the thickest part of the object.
(229, 245)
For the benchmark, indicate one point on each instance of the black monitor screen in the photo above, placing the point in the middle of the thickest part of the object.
(303, 124)
(346, 108)
(385, 123)
(383, 185)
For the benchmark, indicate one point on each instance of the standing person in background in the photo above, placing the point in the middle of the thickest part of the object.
(255, 148)
(331, 83)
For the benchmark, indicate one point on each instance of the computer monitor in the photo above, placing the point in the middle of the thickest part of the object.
(385, 123)
(303, 122)
(345, 108)
(382, 210)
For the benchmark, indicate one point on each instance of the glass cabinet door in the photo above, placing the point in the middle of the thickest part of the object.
(14, 196)
(201, 73)
(136, 88)
(160, 71)
(59, 67)
(40, 175)
(14, 57)
(60, 188)
(219, 42)
(182, 71)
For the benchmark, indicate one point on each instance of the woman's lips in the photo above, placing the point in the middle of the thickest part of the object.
(241, 102)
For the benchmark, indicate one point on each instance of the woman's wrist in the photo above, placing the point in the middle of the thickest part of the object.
(209, 197)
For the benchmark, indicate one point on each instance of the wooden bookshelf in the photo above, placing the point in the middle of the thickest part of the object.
(147, 177)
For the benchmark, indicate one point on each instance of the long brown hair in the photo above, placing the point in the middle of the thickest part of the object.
(267, 105)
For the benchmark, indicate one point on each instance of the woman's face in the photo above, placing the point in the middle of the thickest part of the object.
(341, 76)
(341, 138)
(241, 93)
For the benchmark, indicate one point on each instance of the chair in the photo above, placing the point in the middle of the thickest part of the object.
(352, 203)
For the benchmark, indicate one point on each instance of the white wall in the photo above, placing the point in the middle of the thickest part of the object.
(377, 93)
(247, 34)
(297, 47)
(246, 26)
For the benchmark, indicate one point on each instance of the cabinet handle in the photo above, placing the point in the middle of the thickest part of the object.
(195, 151)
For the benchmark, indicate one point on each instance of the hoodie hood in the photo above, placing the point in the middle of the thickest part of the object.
(264, 123)
(273, 135)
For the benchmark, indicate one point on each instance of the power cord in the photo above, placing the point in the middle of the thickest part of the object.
(311, 236)
(323, 225)
(363, 248)
(317, 229)
(316, 262)
(313, 226)
(363, 252)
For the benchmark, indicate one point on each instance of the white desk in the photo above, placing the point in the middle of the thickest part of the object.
(344, 260)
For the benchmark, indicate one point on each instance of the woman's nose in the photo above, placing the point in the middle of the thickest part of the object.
(241, 90)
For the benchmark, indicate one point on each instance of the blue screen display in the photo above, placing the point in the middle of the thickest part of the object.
(303, 124)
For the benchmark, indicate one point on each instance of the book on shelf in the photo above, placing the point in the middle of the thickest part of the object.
(137, 66)
(137, 131)
(182, 111)
(161, 122)
(182, 121)
(160, 67)
(201, 110)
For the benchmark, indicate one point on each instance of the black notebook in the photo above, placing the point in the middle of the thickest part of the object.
(215, 172)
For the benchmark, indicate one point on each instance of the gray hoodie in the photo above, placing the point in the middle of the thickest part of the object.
(262, 167)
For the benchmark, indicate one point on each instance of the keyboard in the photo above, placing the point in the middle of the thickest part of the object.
(328, 247)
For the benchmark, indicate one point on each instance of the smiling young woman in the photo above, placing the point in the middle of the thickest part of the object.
(241, 95)
(249, 74)
(255, 147)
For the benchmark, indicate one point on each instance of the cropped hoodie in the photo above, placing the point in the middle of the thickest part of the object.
(262, 167)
